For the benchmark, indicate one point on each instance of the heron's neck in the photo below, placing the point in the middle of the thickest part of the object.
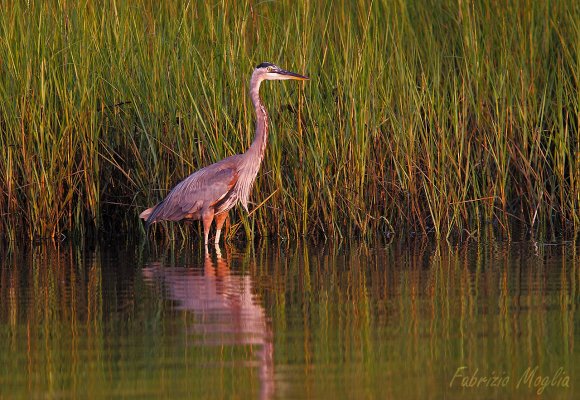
(261, 138)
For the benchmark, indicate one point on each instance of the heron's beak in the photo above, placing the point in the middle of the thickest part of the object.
(292, 75)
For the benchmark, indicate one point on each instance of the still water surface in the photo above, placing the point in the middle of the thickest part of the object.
(420, 321)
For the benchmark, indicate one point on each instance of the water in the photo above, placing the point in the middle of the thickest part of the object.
(426, 320)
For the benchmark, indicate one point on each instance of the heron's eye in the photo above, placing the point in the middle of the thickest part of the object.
(270, 69)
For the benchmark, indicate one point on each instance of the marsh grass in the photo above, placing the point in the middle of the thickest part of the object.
(421, 116)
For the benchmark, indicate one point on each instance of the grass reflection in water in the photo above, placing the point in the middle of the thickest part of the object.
(295, 321)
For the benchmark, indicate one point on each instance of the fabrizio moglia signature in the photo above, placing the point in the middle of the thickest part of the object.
(530, 378)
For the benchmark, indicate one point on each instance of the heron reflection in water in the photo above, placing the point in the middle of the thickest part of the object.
(211, 192)
(227, 311)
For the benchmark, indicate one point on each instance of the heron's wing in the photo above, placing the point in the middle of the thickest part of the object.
(201, 189)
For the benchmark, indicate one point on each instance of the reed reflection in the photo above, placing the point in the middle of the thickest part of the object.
(351, 321)
(227, 312)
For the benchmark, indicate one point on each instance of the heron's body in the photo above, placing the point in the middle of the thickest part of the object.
(212, 191)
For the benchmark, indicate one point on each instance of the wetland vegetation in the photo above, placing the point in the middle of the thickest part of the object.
(421, 116)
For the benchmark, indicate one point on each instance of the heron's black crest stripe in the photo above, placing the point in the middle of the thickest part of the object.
(265, 64)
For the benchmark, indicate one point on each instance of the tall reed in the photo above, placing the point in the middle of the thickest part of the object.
(421, 116)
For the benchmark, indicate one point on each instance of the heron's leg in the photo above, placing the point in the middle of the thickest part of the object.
(219, 222)
(207, 218)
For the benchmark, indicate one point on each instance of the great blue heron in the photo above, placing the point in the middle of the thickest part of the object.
(211, 191)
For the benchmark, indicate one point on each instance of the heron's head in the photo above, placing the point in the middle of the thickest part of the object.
(269, 71)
